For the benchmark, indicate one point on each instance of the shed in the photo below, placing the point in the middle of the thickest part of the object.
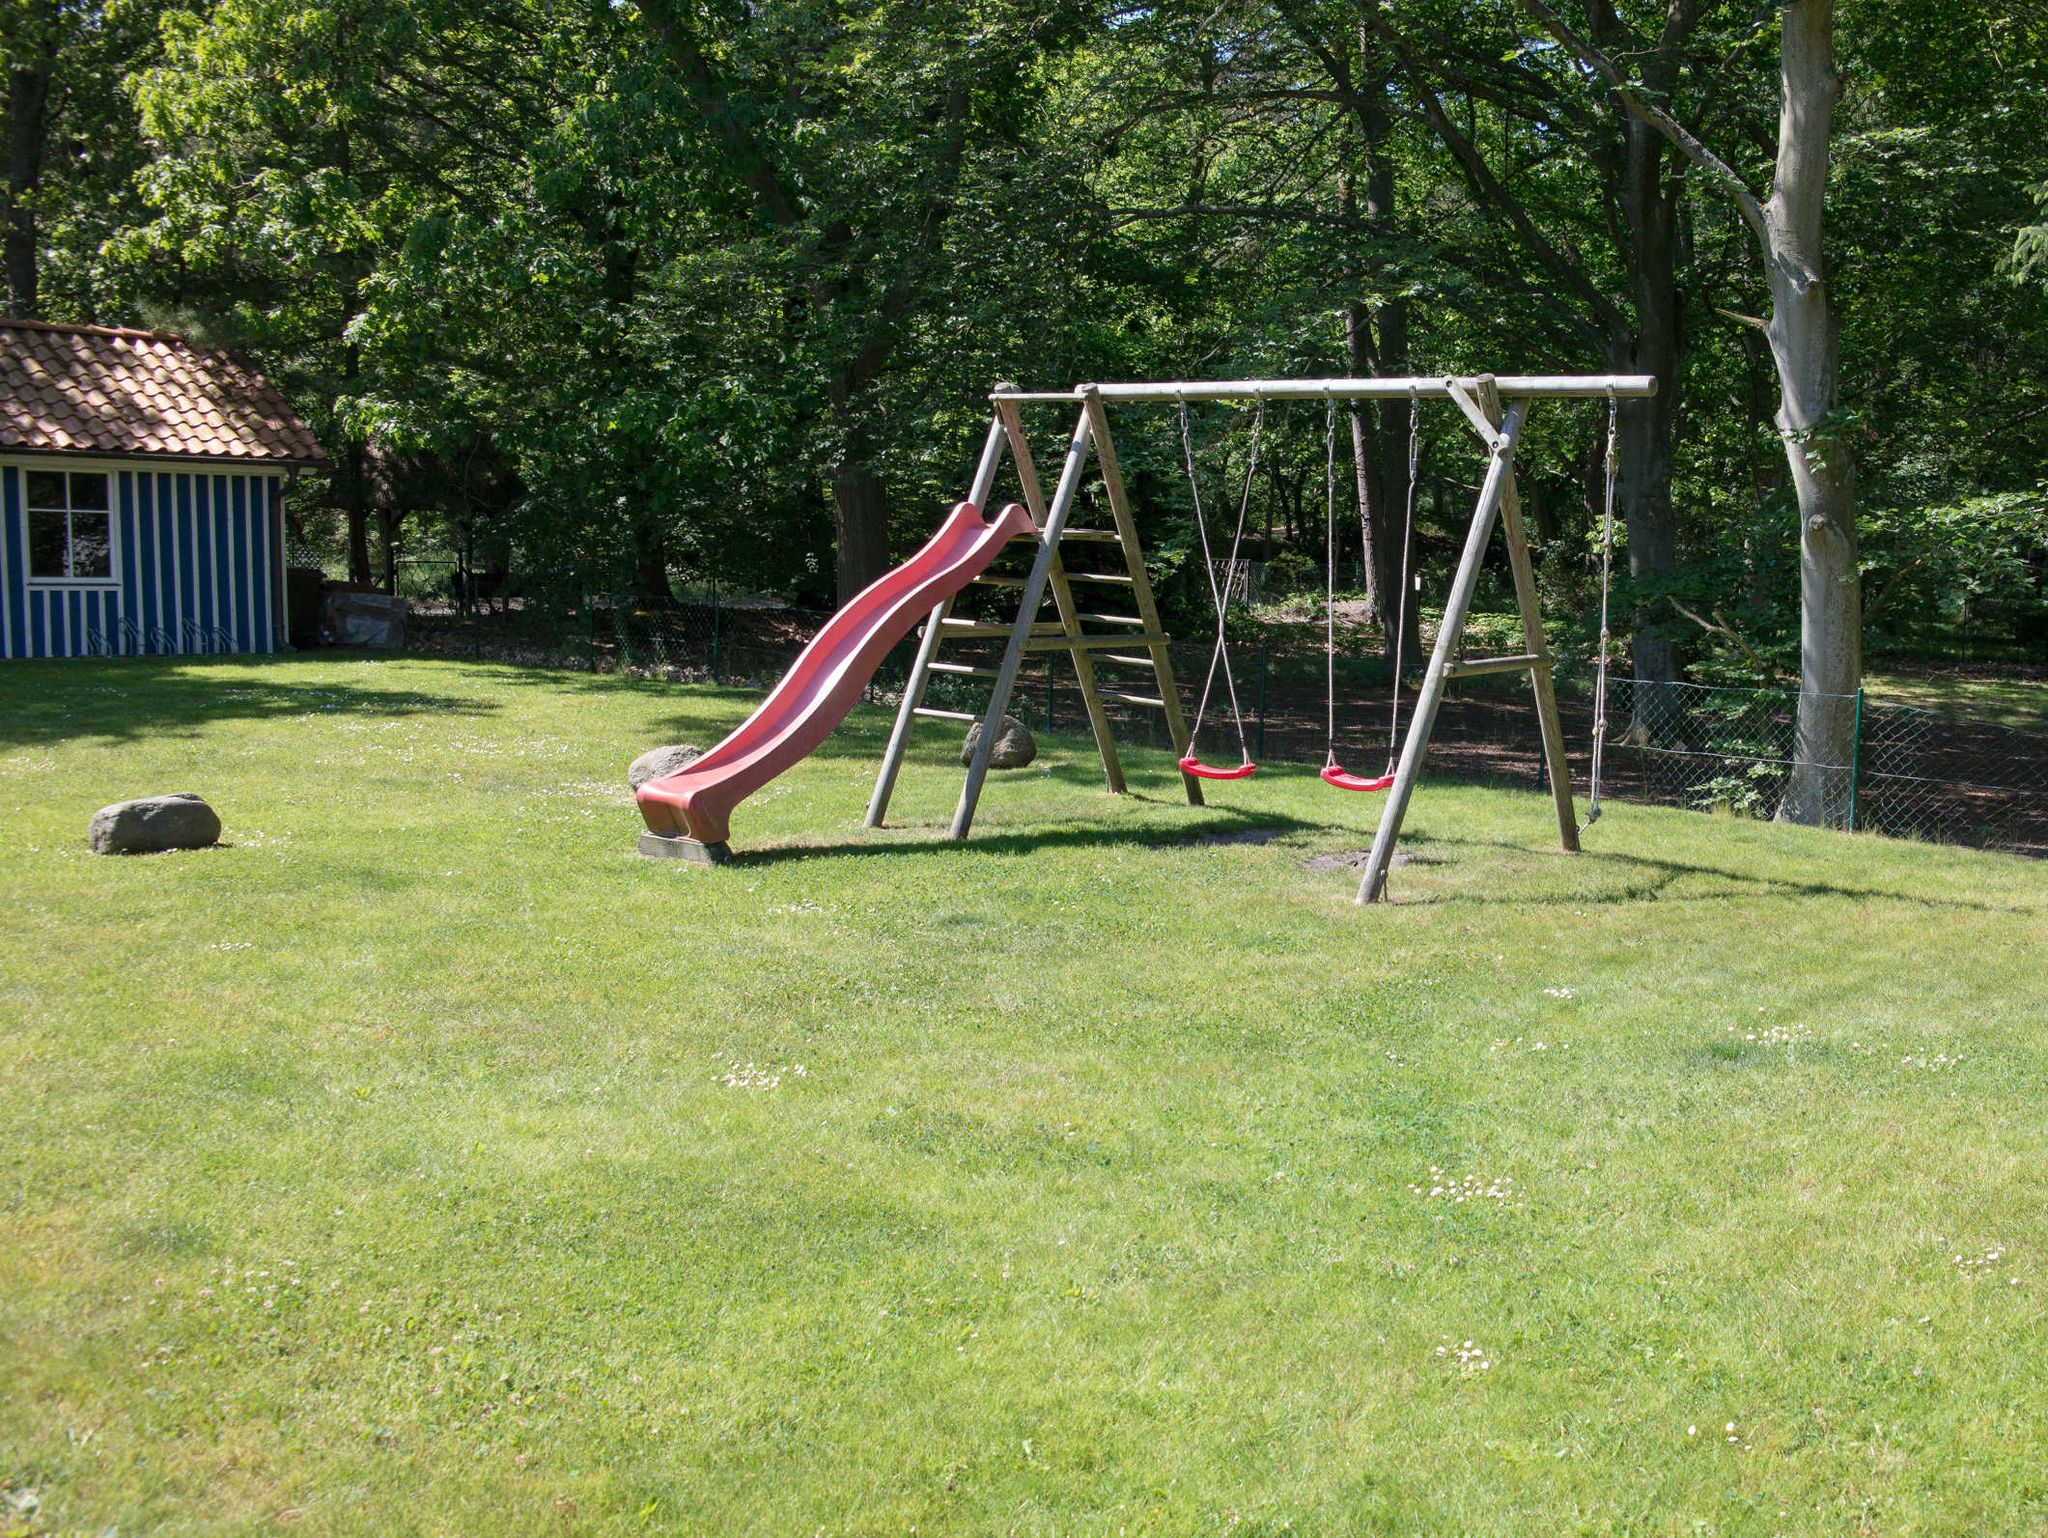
(140, 479)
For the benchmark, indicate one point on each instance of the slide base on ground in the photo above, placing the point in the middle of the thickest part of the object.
(694, 805)
(659, 846)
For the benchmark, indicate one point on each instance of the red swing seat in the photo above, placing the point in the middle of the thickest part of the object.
(1336, 776)
(1201, 771)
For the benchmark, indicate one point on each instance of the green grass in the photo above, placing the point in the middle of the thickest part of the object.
(399, 1166)
(2020, 702)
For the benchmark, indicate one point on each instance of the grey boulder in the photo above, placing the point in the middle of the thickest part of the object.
(656, 762)
(153, 824)
(1015, 746)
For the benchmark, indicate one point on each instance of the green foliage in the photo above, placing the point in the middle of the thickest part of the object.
(641, 294)
(76, 59)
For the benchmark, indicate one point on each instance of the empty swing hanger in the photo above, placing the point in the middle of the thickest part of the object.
(1334, 774)
(1191, 762)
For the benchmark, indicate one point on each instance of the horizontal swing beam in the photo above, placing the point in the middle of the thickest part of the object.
(1510, 386)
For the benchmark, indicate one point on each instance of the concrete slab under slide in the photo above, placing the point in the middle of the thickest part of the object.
(660, 846)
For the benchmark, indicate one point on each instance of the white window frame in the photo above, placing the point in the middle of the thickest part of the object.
(110, 582)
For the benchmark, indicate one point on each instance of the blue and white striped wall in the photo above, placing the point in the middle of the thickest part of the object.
(198, 567)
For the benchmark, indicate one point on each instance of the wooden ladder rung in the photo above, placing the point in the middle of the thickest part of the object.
(1102, 576)
(988, 581)
(1113, 619)
(1103, 536)
(1130, 659)
(969, 629)
(933, 713)
(961, 669)
(1134, 699)
(1060, 643)
(1478, 667)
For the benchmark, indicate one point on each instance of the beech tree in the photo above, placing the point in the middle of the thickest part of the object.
(1801, 328)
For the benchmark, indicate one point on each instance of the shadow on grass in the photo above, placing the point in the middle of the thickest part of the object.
(1218, 827)
(1652, 878)
(126, 699)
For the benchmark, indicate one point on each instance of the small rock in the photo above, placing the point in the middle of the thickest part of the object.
(1015, 746)
(656, 762)
(154, 824)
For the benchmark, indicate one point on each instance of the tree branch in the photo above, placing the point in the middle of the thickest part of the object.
(1719, 625)
(708, 94)
(1688, 144)
(1480, 175)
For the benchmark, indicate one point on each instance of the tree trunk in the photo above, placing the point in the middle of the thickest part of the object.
(351, 491)
(1645, 428)
(28, 100)
(1376, 342)
(1805, 346)
(1379, 599)
(650, 563)
(860, 517)
(390, 523)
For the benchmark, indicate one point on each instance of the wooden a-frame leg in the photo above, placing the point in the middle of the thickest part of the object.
(1422, 720)
(928, 645)
(1540, 681)
(1027, 611)
(1141, 585)
(1084, 667)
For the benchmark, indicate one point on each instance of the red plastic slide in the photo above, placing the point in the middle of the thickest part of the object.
(697, 800)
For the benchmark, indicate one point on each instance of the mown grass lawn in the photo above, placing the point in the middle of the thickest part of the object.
(2016, 702)
(424, 1161)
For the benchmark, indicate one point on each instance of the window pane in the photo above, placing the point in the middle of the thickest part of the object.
(89, 491)
(91, 554)
(45, 489)
(46, 545)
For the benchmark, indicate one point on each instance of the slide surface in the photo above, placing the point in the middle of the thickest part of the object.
(815, 695)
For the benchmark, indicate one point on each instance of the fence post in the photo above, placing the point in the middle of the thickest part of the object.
(590, 627)
(468, 571)
(714, 630)
(1048, 691)
(1855, 757)
(1260, 748)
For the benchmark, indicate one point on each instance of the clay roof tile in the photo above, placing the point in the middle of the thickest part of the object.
(113, 390)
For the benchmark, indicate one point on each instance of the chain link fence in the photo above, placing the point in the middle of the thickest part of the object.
(698, 636)
(1906, 772)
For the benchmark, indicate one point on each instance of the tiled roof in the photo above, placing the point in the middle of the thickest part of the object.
(111, 390)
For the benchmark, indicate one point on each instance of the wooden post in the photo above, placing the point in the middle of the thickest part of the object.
(1141, 584)
(928, 645)
(1499, 475)
(1084, 666)
(1013, 650)
(1527, 601)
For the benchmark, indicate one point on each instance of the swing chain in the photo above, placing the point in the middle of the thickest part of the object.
(1220, 594)
(1407, 547)
(1330, 577)
(1365, 553)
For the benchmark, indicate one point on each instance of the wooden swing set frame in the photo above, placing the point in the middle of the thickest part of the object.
(1496, 407)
